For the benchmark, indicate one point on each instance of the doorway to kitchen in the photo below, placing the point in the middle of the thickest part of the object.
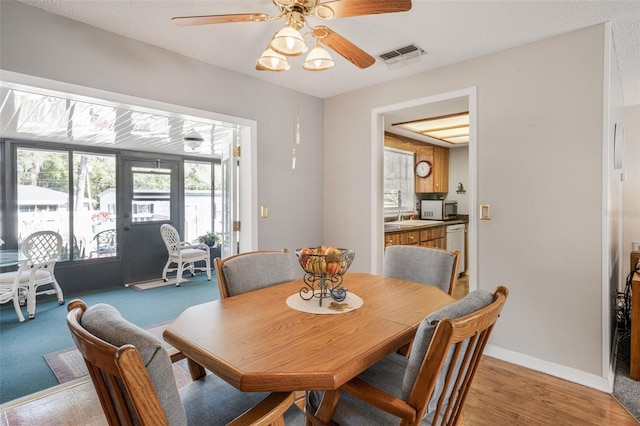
(425, 107)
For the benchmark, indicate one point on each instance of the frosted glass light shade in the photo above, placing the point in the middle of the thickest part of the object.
(273, 61)
(288, 41)
(318, 60)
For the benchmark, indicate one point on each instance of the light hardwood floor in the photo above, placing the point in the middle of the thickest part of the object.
(502, 394)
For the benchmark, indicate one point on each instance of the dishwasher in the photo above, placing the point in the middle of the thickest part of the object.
(455, 241)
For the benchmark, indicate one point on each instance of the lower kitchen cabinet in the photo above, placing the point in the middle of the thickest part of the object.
(433, 237)
(426, 237)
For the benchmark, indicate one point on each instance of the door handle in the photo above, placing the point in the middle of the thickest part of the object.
(126, 228)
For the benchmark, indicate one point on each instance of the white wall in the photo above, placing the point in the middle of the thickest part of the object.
(459, 172)
(612, 196)
(631, 167)
(540, 129)
(40, 44)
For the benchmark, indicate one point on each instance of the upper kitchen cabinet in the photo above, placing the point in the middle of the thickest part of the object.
(440, 169)
(437, 178)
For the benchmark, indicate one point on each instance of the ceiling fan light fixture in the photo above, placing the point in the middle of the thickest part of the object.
(318, 60)
(273, 61)
(288, 41)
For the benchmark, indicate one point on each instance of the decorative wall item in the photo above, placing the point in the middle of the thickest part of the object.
(461, 189)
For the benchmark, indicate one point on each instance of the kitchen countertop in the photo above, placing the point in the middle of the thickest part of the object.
(406, 225)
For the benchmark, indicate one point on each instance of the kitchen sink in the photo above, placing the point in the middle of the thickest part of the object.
(408, 224)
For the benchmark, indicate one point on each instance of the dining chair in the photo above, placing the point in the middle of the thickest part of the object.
(254, 270)
(426, 265)
(427, 388)
(183, 254)
(133, 377)
(43, 250)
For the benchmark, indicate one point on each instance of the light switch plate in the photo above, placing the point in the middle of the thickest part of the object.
(485, 212)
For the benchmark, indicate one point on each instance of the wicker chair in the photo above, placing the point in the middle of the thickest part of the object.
(43, 250)
(183, 254)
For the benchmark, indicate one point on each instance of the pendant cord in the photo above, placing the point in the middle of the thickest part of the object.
(296, 121)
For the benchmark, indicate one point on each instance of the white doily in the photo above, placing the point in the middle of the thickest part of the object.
(329, 306)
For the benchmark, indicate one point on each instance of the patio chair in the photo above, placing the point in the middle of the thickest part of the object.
(9, 292)
(43, 250)
(183, 254)
(254, 270)
(424, 265)
(429, 387)
(133, 377)
(106, 243)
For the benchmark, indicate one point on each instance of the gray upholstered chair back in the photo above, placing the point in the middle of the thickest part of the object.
(105, 322)
(471, 303)
(429, 387)
(252, 271)
(422, 265)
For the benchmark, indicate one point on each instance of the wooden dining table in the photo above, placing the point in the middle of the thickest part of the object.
(256, 342)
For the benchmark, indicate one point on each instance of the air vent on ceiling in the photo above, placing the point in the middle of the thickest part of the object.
(401, 53)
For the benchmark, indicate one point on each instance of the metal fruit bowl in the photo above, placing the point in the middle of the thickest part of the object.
(333, 263)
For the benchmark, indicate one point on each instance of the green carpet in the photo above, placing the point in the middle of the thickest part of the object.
(23, 369)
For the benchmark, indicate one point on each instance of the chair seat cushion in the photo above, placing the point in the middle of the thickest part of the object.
(8, 277)
(385, 375)
(212, 401)
(190, 253)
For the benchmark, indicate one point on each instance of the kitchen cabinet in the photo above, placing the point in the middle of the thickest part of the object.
(391, 239)
(438, 179)
(440, 169)
(409, 237)
(427, 237)
(437, 156)
(433, 237)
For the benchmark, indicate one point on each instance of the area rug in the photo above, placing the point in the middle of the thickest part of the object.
(68, 364)
(146, 285)
(625, 389)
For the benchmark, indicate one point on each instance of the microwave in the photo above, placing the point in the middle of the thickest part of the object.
(438, 209)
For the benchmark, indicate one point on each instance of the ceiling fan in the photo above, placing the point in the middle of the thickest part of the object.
(289, 42)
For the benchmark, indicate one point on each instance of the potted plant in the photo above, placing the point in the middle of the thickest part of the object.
(211, 239)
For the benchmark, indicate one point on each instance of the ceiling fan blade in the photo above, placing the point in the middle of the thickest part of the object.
(347, 8)
(343, 47)
(219, 19)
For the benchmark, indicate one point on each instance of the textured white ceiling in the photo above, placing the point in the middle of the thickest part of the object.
(449, 31)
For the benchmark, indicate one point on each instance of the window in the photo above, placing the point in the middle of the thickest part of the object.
(198, 217)
(151, 194)
(94, 209)
(399, 190)
(45, 200)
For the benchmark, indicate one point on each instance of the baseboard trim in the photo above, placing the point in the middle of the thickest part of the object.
(44, 393)
(557, 370)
